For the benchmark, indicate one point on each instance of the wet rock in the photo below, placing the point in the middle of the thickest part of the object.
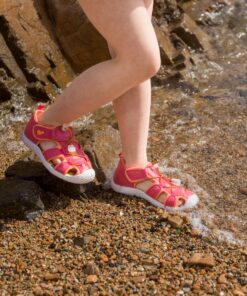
(202, 260)
(20, 199)
(91, 279)
(222, 279)
(167, 49)
(91, 268)
(192, 35)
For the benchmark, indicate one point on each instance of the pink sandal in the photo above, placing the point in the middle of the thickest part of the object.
(75, 166)
(125, 180)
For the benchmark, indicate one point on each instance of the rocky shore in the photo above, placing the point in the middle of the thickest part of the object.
(63, 239)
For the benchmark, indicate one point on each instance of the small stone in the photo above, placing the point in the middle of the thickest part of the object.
(91, 268)
(186, 288)
(222, 279)
(201, 260)
(61, 269)
(91, 279)
(82, 241)
(103, 258)
(51, 277)
(175, 221)
(138, 279)
(196, 233)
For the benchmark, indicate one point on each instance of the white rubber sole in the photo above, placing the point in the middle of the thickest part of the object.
(85, 177)
(190, 203)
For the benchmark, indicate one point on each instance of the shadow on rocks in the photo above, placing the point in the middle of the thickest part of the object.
(28, 189)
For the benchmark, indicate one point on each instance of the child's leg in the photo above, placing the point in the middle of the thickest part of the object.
(133, 120)
(127, 27)
(133, 117)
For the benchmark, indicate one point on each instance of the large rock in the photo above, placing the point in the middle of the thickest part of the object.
(28, 54)
(36, 172)
(20, 199)
(192, 35)
(80, 41)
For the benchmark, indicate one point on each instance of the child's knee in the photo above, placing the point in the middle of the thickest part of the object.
(151, 63)
(143, 64)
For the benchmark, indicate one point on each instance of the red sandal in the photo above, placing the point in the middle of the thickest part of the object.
(75, 166)
(125, 180)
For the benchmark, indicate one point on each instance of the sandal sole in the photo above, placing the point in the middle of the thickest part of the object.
(85, 177)
(190, 203)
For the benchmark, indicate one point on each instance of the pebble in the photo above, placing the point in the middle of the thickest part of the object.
(51, 277)
(91, 279)
(201, 260)
(196, 233)
(175, 221)
(103, 258)
(222, 279)
(91, 268)
(138, 279)
(186, 288)
(82, 241)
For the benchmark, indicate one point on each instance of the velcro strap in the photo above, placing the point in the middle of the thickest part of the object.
(154, 191)
(140, 174)
(136, 175)
(41, 132)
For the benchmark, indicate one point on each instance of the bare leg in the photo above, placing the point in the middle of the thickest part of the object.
(133, 120)
(133, 111)
(137, 58)
(127, 26)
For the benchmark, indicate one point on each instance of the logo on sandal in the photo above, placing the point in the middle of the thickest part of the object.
(40, 133)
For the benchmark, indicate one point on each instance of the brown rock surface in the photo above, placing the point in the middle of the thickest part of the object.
(192, 35)
(28, 53)
(80, 41)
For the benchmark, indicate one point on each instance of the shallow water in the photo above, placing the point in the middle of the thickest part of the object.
(200, 138)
